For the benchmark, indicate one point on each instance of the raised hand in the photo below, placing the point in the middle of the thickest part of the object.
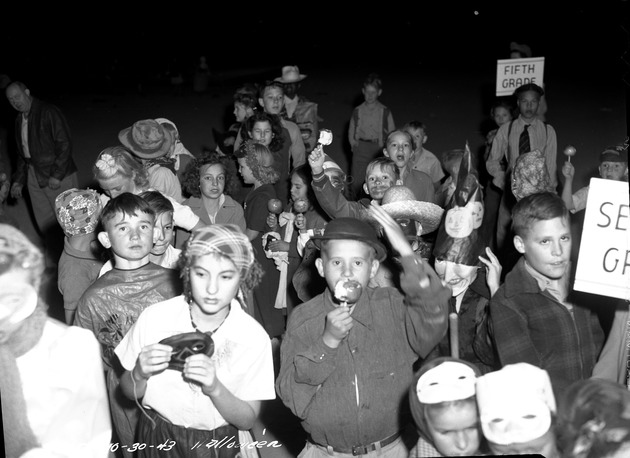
(316, 160)
(568, 171)
(493, 271)
(392, 230)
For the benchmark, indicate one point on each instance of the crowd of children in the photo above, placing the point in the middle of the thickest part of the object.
(387, 317)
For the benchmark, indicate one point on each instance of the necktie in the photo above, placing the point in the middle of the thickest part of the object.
(523, 141)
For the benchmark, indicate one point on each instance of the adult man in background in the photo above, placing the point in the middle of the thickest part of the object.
(44, 162)
(299, 109)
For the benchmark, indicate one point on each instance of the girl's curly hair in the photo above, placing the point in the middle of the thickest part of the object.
(260, 160)
(191, 185)
(277, 140)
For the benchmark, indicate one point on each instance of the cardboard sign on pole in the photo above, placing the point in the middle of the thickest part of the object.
(512, 73)
(604, 259)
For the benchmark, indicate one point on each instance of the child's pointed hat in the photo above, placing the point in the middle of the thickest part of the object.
(459, 238)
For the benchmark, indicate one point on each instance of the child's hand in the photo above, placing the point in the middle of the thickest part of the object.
(272, 220)
(392, 229)
(300, 221)
(493, 271)
(568, 171)
(278, 245)
(338, 325)
(200, 369)
(153, 359)
(16, 190)
(316, 160)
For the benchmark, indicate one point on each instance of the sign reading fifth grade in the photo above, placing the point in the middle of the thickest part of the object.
(604, 259)
(512, 73)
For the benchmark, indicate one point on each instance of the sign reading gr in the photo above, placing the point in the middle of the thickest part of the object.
(512, 73)
(604, 259)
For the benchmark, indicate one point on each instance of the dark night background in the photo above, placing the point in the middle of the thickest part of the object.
(71, 50)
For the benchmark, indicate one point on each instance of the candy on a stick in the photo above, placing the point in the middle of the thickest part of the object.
(274, 206)
(300, 205)
(325, 137)
(347, 291)
(570, 151)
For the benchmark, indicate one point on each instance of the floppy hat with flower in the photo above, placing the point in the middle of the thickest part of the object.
(147, 139)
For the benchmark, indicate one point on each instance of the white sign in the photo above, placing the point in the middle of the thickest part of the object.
(604, 259)
(512, 73)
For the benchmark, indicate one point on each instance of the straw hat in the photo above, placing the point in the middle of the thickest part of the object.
(400, 203)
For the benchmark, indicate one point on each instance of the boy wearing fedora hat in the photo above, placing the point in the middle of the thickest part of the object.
(297, 108)
(347, 356)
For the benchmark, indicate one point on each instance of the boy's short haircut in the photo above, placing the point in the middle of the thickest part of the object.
(616, 153)
(127, 204)
(385, 163)
(158, 202)
(528, 87)
(542, 206)
(373, 80)
(416, 125)
(78, 211)
(269, 85)
(401, 131)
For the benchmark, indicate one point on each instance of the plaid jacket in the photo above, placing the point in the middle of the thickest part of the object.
(530, 325)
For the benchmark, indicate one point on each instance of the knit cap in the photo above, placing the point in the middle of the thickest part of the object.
(78, 211)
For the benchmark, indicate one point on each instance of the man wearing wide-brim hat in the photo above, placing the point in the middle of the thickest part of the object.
(150, 141)
(297, 108)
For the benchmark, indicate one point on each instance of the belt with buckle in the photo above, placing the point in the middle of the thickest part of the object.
(373, 140)
(364, 449)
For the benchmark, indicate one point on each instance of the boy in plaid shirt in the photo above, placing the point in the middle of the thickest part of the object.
(534, 317)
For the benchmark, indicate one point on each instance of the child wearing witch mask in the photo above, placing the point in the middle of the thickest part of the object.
(457, 261)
